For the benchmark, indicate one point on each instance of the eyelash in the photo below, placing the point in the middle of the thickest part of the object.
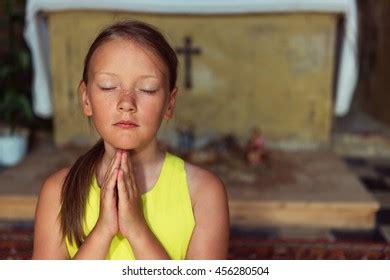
(107, 89)
(148, 91)
(143, 90)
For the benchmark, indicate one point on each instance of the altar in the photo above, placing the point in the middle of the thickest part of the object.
(253, 63)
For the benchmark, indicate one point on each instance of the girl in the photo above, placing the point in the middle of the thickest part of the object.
(125, 198)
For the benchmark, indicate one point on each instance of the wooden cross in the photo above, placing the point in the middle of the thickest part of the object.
(187, 51)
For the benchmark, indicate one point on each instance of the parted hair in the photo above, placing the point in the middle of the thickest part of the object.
(77, 183)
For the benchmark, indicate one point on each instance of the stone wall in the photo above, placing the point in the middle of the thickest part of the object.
(274, 71)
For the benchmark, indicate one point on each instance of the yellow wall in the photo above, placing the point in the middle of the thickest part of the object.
(272, 71)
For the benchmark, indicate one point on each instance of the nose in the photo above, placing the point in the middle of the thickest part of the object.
(127, 103)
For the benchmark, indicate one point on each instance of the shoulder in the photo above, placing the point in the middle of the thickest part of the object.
(203, 185)
(51, 189)
(53, 183)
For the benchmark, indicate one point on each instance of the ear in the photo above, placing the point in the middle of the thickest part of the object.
(171, 104)
(87, 109)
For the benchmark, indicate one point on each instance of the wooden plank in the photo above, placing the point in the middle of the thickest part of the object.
(334, 215)
(17, 207)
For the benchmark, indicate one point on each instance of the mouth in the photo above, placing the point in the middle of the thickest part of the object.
(126, 124)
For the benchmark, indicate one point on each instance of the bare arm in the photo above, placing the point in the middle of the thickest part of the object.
(48, 242)
(94, 247)
(210, 238)
(97, 243)
(146, 246)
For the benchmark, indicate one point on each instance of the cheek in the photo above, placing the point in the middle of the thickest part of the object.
(101, 109)
(151, 110)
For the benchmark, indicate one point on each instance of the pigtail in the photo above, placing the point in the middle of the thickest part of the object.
(75, 192)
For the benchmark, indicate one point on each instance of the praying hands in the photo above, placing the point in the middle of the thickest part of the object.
(120, 203)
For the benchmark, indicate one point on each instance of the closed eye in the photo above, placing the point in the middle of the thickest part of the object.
(107, 88)
(148, 91)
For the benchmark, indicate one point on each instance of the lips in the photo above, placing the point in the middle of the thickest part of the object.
(126, 124)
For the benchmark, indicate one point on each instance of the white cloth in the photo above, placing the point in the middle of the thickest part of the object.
(37, 38)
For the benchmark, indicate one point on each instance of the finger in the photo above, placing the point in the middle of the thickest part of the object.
(108, 173)
(109, 187)
(122, 190)
(116, 160)
(126, 172)
(115, 164)
(124, 164)
(109, 167)
(125, 167)
(132, 183)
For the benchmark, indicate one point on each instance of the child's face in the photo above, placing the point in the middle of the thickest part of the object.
(127, 83)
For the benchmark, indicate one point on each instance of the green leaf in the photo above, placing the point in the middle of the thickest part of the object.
(24, 60)
(16, 107)
(26, 108)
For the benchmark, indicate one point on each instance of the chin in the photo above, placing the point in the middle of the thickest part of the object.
(126, 147)
(123, 144)
(126, 142)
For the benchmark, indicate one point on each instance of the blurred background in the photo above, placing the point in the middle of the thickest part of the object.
(287, 102)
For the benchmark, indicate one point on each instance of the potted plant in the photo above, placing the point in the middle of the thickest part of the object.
(16, 114)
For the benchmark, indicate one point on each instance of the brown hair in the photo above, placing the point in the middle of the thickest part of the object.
(78, 181)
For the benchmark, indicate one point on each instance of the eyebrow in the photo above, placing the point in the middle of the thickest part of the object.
(113, 74)
(149, 76)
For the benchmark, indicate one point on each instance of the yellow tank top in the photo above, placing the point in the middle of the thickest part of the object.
(167, 209)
